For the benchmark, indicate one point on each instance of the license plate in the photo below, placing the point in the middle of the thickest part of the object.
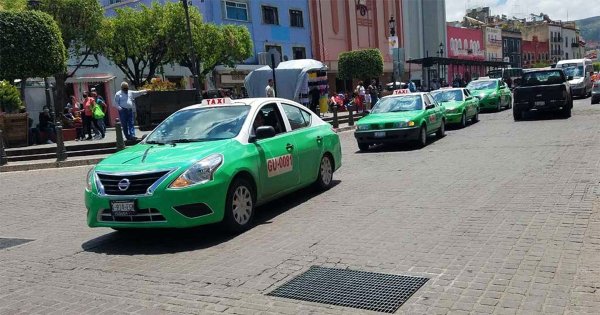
(540, 103)
(122, 208)
(379, 134)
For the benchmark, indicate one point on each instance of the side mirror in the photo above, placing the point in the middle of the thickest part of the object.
(430, 107)
(469, 98)
(144, 137)
(264, 132)
(570, 78)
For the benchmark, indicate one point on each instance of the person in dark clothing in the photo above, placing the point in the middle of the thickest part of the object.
(315, 95)
(46, 124)
(372, 89)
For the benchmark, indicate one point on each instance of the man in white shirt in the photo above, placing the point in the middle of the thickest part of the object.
(125, 104)
(269, 91)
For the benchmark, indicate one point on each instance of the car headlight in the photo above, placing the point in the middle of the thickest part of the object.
(362, 127)
(199, 173)
(411, 123)
(89, 179)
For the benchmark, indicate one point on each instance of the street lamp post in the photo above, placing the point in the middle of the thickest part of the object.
(440, 53)
(392, 25)
(192, 51)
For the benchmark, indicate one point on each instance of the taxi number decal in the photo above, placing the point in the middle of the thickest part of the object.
(280, 165)
(432, 118)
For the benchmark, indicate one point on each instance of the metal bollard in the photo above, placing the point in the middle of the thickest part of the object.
(61, 152)
(336, 122)
(350, 116)
(119, 131)
(3, 158)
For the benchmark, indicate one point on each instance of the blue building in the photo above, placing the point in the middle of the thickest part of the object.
(273, 24)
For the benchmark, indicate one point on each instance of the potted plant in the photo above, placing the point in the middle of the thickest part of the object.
(13, 121)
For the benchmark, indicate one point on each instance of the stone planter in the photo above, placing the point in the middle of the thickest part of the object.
(154, 107)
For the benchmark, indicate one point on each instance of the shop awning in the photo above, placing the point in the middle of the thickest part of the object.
(91, 78)
(430, 61)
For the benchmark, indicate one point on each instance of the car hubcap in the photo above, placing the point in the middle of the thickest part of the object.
(326, 171)
(242, 205)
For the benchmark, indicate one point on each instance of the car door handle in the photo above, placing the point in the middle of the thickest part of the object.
(289, 147)
(319, 139)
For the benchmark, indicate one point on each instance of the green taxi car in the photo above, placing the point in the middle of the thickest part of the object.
(460, 105)
(493, 94)
(213, 163)
(401, 118)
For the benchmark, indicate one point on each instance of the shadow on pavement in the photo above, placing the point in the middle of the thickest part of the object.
(532, 116)
(163, 241)
(401, 147)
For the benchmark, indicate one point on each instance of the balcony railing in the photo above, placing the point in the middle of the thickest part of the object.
(574, 45)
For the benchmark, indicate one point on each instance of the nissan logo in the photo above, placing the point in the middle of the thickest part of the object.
(123, 184)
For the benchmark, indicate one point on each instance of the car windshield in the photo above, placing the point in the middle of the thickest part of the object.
(398, 104)
(482, 85)
(495, 74)
(542, 77)
(575, 72)
(448, 96)
(200, 124)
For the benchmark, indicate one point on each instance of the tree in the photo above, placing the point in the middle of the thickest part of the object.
(360, 64)
(27, 38)
(79, 22)
(10, 101)
(13, 5)
(596, 66)
(138, 41)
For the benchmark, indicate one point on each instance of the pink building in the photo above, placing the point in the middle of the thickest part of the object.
(345, 25)
(466, 44)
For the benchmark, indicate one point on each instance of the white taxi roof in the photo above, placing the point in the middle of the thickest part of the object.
(408, 94)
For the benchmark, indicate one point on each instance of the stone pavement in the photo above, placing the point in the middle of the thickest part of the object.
(503, 218)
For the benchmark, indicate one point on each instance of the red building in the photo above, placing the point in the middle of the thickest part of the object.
(467, 44)
(534, 52)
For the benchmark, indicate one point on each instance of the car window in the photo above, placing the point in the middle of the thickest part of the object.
(307, 117)
(466, 93)
(295, 117)
(269, 115)
(408, 102)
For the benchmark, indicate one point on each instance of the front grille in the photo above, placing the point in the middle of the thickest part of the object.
(382, 126)
(141, 215)
(138, 183)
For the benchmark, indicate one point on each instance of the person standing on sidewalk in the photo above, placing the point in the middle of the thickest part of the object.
(269, 90)
(88, 116)
(100, 121)
(124, 102)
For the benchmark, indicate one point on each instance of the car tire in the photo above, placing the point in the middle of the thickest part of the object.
(475, 117)
(422, 140)
(363, 146)
(566, 112)
(325, 176)
(463, 120)
(442, 131)
(499, 106)
(239, 206)
(510, 103)
(517, 114)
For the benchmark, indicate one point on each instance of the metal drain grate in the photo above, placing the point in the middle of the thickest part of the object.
(359, 289)
(10, 242)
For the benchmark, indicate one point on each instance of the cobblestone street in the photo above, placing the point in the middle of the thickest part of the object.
(503, 217)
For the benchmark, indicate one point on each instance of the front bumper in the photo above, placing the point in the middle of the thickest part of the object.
(388, 136)
(489, 102)
(206, 204)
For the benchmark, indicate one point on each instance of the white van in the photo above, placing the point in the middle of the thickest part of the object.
(581, 70)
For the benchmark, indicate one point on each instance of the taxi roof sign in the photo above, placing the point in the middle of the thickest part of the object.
(216, 101)
(401, 91)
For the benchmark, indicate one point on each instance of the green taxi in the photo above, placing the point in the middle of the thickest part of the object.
(493, 94)
(460, 105)
(401, 118)
(213, 163)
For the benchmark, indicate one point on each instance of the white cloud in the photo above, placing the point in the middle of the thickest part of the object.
(556, 9)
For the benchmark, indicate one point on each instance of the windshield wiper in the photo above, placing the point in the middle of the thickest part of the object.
(155, 142)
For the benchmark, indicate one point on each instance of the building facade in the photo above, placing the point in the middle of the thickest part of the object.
(535, 52)
(466, 44)
(493, 44)
(511, 47)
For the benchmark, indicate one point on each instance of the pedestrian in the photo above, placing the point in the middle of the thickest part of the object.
(46, 125)
(373, 91)
(124, 102)
(100, 121)
(88, 117)
(269, 90)
(315, 95)
(360, 92)
(411, 86)
(78, 124)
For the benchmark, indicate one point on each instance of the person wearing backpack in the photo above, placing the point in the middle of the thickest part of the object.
(98, 119)
(100, 101)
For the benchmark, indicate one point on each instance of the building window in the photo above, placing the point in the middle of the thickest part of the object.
(276, 47)
(566, 42)
(299, 52)
(270, 15)
(296, 19)
(236, 11)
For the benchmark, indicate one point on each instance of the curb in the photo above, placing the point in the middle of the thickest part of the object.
(47, 165)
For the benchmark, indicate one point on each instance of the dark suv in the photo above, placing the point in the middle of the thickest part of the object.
(543, 90)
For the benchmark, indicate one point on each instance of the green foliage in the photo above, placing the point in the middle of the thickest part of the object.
(360, 64)
(10, 100)
(157, 84)
(28, 38)
(540, 64)
(13, 5)
(596, 66)
(138, 41)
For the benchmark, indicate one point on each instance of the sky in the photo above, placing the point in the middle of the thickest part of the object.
(556, 9)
